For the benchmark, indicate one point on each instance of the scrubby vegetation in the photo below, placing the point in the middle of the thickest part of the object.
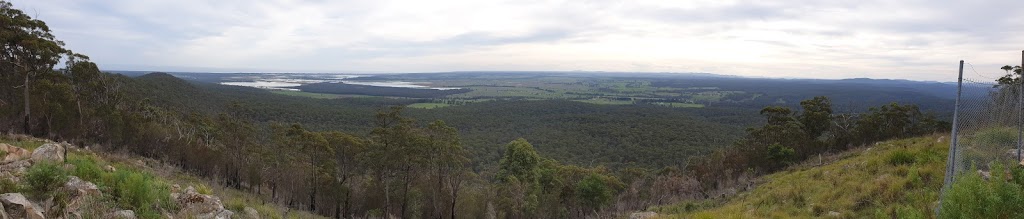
(44, 178)
(980, 194)
(860, 183)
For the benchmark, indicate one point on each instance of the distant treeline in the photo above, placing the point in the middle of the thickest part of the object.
(355, 89)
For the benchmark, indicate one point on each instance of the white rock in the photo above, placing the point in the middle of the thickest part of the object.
(643, 215)
(49, 151)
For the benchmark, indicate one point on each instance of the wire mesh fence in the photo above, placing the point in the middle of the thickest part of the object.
(987, 127)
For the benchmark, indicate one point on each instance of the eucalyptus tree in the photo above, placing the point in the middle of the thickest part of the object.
(29, 50)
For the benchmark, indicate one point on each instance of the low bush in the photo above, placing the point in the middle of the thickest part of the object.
(140, 191)
(972, 196)
(44, 178)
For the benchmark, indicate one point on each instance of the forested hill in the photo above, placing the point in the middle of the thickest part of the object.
(569, 131)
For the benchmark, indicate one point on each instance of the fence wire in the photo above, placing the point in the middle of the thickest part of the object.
(986, 127)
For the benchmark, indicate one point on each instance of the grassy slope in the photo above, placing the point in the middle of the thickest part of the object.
(157, 178)
(893, 179)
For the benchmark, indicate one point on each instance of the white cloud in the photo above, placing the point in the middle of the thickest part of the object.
(813, 39)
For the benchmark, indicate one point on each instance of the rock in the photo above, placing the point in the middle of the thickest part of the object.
(834, 214)
(122, 214)
(48, 152)
(80, 187)
(225, 214)
(643, 215)
(251, 213)
(19, 207)
(109, 168)
(984, 174)
(14, 169)
(3, 212)
(13, 153)
(199, 205)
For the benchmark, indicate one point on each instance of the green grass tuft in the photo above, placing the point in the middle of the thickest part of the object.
(901, 157)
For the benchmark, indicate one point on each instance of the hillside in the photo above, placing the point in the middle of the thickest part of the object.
(36, 182)
(891, 179)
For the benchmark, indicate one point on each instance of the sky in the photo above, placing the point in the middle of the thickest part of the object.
(907, 39)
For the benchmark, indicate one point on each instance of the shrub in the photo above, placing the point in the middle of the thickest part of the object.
(140, 192)
(900, 157)
(45, 177)
(970, 196)
(8, 186)
(86, 168)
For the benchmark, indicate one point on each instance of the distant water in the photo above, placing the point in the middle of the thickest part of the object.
(291, 81)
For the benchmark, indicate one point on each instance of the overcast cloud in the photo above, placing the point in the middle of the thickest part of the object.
(912, 39)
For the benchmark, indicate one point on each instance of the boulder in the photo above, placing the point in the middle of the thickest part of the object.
(3, 212)
(643, 215)
(48, 152)
(17, 206)
(14, 169)
(199, 205)
(79, 187)
(251, 213)
(122, 214)
(13, 153)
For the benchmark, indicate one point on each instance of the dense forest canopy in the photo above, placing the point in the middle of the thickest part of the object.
(346, 157)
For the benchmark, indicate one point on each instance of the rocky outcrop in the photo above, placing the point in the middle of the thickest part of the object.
(14, 170)
(13, 153)
(17, 206)
(199, 205)
(48, 152)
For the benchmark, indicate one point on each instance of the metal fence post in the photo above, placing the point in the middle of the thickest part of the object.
(951, 158)
(1020, 107)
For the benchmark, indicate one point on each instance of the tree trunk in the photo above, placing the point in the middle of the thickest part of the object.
(28, 108)
(312, 194)
(440, 190)
(455, 197)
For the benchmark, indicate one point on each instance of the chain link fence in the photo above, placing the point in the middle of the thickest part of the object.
(987, 127)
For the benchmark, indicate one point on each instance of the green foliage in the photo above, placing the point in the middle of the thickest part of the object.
(520, 161)
(861, 184)
(44, 178)
(593, 192)
(139, 191)
(900, 157)
(780, 154)
(86, 167)
(130, 188)
(816, 116)
(8, 185)
(971, 196)
(203, 189)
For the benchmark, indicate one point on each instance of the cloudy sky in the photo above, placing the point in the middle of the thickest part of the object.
(908, 39)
